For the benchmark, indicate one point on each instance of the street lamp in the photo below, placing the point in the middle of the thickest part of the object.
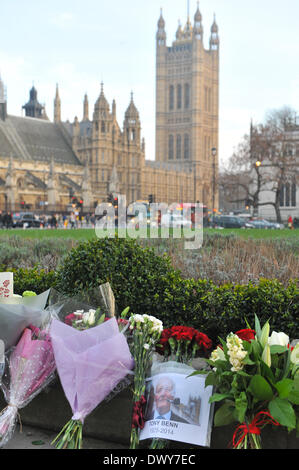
(256, 195)
(214, 153)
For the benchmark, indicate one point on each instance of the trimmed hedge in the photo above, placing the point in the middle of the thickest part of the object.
(149, 284)
(34, 279)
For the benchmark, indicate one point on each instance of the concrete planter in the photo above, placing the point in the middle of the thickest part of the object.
(111, 421)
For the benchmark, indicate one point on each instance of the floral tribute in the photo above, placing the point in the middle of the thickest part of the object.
(256, 376)
(91, 361)
(31, 366)
(146, 331)
(183, 343)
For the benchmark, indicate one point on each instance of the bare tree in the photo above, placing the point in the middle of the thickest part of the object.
(274, 144)
(264, 162)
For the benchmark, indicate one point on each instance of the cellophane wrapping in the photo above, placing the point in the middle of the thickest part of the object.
(30, 367)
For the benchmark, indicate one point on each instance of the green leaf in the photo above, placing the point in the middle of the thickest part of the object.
(284, 387)
(257, 327)
(224, 415)
(294, 397)
(260, 388)
(256, 349)
(37, 443)
(296, 383)
(267, 372)
(101, 319)
(219, 397)
(278, 349)
(248, 361)
(211, 379)
(283, 412)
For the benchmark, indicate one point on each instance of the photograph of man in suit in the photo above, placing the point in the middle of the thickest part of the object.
(164, 395)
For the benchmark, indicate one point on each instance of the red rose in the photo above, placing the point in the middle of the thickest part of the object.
(246, 334)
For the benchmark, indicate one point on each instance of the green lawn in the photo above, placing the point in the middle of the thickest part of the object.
(87, 234)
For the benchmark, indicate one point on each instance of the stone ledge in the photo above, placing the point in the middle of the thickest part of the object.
(111, 421)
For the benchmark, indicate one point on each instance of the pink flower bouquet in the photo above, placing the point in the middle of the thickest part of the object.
(30, 367)
(90, 363)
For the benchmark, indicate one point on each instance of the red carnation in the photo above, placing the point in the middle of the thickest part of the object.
(70, 318)
(203, 340)
(246, 334)
(182, 333)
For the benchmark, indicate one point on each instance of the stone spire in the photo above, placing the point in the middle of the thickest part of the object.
(161, 34)
(85, 108)
(57, 106)
(3, 103)
(214, 38)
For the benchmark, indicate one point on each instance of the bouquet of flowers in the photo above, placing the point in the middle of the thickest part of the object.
(183, 343)
(90, 363)
(91, 353)
(257, 380)
(81, 320)
(30, 367)
(146, 331)
(19, 311)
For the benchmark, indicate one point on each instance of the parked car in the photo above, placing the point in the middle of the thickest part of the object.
(227, 221)
(26, 220)
(263, 224)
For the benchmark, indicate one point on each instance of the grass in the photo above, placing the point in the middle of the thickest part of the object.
(226, 255)
(89, 233)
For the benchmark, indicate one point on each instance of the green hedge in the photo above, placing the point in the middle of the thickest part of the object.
(149, 284)
(34, 279)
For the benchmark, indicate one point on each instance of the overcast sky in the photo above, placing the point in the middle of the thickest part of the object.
(79, 43)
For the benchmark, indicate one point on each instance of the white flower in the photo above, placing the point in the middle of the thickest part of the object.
(295, 354)
(235, 352)
(91, 317)
(146, 346)
(137, 318)
(79, 312)
(217, 355)
(280, 339)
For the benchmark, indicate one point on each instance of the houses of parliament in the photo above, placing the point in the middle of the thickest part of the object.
(47, 162)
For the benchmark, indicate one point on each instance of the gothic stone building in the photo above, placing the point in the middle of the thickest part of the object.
(45, 163)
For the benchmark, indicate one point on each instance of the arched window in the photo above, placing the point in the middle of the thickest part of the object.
(103, 126)
(178, 147)
(287, 189)
(293, 194)
(179, 96)
(187, 95)
(170, 147)
(171, 97)
(281, 195)
(186, 147)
